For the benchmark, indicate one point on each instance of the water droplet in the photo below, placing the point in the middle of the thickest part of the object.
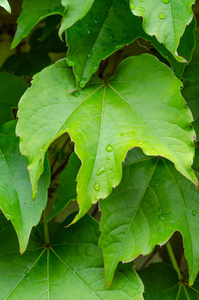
(70, 63)
(108, 157)
(97, 186)
(75, 93)
(100, 171)
(97, 197)
(95, 21)
(162, 217)
(165, 1)
(109, 148)
(193, 213)
(87, 25)
(157, 183)
(142, 9)
(83, 82)
(132, 6)
(111, 167)
(159, 208)
(111, 36)
(161, 16)
(89, 55)
(34, 193)
(95, 69)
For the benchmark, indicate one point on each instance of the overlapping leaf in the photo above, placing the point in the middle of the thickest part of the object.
(32, 12)
(152, 201)
(161, 283)
(5, 4)
(105, 121)
(70, 268)
(166, 19)
(15, 187)
(9, 97)
(74, 11)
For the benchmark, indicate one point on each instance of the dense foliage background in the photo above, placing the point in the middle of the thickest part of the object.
(99, 161)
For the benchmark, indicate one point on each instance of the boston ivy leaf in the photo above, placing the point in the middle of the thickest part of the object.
(5, 4)
(9, 97)
(74, 11)
(15, 187)
(105, 121)
(152, 195)
(67, 188)
(33, 11)
(98, 35)
(70, 268)
(161, 282)
(165, 19)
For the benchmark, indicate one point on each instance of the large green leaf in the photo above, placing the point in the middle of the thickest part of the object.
(5, 4)
(33, 11)
(15, 187)
(166, 19)
(152, 201)
(161, 283)
(9, 97)
(67, 188)
(74, 11)
(105, 121)
(98, 35)
(70, 268)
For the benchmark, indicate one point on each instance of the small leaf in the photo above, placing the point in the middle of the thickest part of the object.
(15, 188)
(152, 201)
(67, 189)
(105, 121)
(5, 4)
(161, 280)
(166, 19)
(71, 268)
(9, 97)
(74, 11)
(33, 11)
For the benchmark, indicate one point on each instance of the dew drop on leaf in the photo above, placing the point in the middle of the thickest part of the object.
(132, 6)
(165, 1)
(100, 171)
(193, 213)
(83, 82)
(111, 167)
(108, 157)
(162, 217)
(161, 16)
(95, 21)
(89, 55)
(70, 63)
(157, 183)
(97, 197)
(95, 69)
(97, 186)
(141, 9)
(109, 148)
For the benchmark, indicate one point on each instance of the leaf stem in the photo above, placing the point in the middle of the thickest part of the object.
(173, 260)
(46, 232)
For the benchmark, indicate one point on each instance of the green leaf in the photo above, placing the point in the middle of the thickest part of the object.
(165, 19)
(5, 4)
(74, 11)
(98, 35)
(33, 11)
(67, 188)
(161, 283)
(105, 121)
(15, 187)
(9, 97)
(152, 195)
(70, 268)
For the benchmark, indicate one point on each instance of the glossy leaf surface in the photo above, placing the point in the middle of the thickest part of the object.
(74, 11)
(71, 268)
(161, 283)
(152, 201)
(9, 97)
(15, 187)
(166, 19)
(33, 11)
(5, 4)
(105, 121)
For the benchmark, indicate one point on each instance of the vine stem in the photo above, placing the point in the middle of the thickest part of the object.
(46, 232)
(173, 260)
